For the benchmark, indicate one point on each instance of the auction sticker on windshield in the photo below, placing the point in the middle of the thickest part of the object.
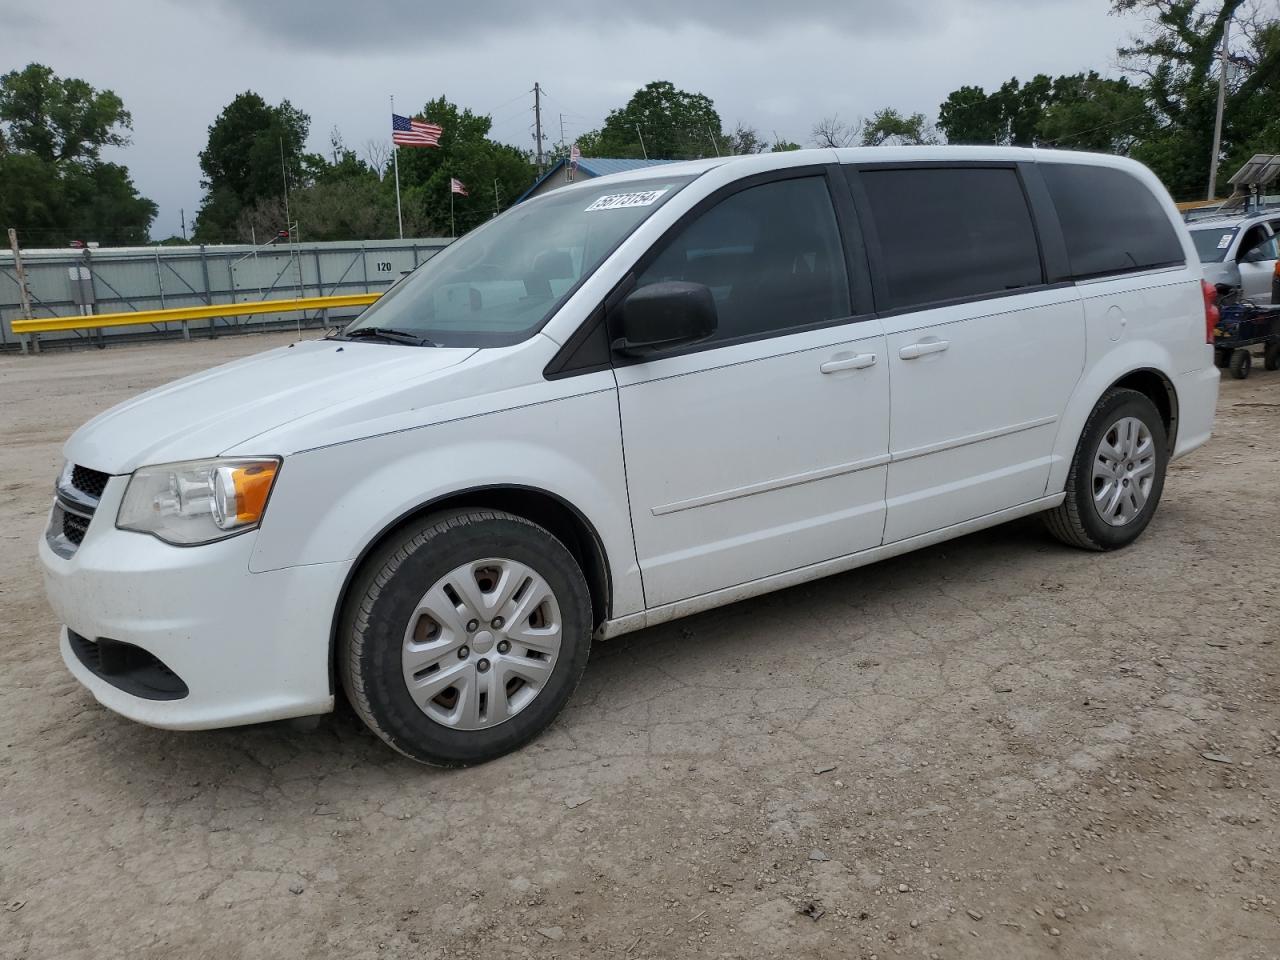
(616, 201)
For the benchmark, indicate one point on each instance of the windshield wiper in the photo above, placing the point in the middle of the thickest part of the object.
(388, 333)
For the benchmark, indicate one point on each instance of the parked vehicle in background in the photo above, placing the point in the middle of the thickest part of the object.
(1240, 251)
(627, 401)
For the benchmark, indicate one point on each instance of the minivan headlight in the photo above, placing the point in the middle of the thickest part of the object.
(199, 501)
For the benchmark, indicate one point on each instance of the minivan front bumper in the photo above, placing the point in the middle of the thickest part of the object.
(246, 647)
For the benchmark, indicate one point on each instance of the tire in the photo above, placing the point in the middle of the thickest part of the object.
(1081, 522)
(426, 608)
(1271, 359)
(1241, 362)
(1222, 359)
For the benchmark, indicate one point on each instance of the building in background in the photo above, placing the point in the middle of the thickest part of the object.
(586, 168)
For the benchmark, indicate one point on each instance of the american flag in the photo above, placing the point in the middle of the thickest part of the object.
(407, 132)
(456, 186)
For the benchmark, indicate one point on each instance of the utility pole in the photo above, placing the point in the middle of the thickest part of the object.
(1217, 123)
(537, 121)
(641, 136)
(183, 212)
(284, 177)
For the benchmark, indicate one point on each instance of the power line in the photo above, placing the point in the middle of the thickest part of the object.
(1081, 133)
(519, 96)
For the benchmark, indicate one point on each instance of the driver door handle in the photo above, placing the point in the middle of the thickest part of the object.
(916, 350)
(858, 362)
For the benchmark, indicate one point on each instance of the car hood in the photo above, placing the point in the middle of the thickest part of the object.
(210, 412)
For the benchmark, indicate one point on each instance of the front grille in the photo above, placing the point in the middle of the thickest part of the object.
(78, 491)
(128, 668)
(74, 527)
(89, 482)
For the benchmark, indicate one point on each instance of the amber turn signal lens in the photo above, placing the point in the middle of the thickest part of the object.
(252, 485)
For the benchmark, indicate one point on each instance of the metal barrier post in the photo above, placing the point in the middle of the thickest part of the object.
(93, 296)
(23, 294)
(208, 297)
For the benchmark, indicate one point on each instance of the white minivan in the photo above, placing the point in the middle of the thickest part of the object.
(625, 401)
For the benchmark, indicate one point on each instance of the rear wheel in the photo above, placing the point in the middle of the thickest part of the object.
(1241, 362)
(1116, 476)
(1271, 359)
(464, 636)
(1222, 359)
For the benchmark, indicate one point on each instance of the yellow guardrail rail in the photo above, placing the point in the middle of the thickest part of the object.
(92, 321)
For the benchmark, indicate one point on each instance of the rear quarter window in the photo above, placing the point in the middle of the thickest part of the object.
(1110, 221)
(950, 234)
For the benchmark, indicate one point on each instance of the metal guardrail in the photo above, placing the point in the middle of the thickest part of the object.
(67, 282)
(95, 321)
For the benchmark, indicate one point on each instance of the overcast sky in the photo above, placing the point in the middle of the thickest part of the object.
(776, 66)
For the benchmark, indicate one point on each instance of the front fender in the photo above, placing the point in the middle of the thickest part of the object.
(330, 503)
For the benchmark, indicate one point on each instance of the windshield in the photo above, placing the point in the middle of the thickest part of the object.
(1212, 242)
(500, 283)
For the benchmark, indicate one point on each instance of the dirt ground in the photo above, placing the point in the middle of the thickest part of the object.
(995, 748)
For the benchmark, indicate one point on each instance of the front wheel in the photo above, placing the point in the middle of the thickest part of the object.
(1116, 476)
(464, 636)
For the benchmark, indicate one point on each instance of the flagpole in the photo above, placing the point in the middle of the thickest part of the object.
(495, 196)
(395, 162)
(453, 227)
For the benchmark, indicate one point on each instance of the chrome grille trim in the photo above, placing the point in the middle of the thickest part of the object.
(73, 508)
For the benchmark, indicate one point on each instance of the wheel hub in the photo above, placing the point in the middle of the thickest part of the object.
(1124, 469)
(482, 643)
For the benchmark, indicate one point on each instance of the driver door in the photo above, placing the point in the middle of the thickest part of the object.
(764, 448)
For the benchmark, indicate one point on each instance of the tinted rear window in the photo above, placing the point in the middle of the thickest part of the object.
(1111, 222)
(950, 234)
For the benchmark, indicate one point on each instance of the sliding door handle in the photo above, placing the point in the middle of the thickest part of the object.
(858, 362)
(916, 350)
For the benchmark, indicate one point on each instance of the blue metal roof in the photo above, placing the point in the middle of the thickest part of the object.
(596, 167)
(603, 166)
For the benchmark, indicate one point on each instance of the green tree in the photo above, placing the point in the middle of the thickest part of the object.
(54, 185)
(252, 147)
(1010, 116)
(674, 124)
(888, 127)
(970, 115)
(1090, 112)
(1082, 111)
(1177, 60)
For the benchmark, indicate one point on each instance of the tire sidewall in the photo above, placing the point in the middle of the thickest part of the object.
(1117, 406)
(407, 570)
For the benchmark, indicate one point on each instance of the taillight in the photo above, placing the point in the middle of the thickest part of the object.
(1212, 315)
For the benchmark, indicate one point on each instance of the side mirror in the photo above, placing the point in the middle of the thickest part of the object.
(662, 316)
